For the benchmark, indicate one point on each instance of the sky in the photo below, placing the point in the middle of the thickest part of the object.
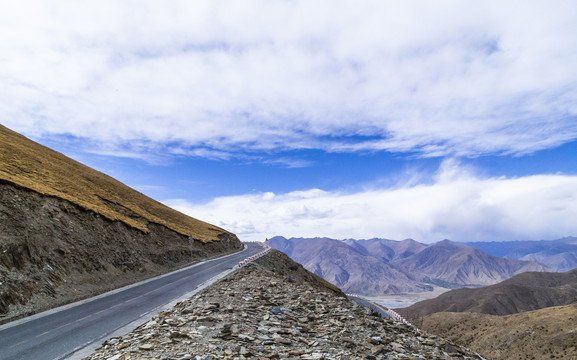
(347, 119)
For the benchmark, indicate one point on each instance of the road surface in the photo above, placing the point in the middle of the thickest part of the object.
(65, 332)
(369, 305)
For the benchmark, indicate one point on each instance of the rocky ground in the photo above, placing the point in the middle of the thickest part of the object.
(273, 309)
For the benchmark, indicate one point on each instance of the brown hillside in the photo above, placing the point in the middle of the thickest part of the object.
(523, 292)
(541, 334)
(36, 167)
(68, 232)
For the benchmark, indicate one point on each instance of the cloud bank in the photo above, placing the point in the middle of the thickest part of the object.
(215, 78)
(457, 205)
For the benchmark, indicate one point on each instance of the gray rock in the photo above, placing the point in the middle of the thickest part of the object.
(286, 321)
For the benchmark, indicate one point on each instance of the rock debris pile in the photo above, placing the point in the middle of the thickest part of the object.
(258, 314)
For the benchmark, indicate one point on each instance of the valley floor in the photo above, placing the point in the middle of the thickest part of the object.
(405, 300)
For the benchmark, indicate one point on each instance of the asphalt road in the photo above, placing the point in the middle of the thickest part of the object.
(369, 305)
(57, 335)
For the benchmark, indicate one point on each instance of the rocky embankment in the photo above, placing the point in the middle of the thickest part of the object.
(53, 252)
(274, 309)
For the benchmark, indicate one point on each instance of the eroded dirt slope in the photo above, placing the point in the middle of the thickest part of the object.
(53, 252)
(68, 232)
(36, 167)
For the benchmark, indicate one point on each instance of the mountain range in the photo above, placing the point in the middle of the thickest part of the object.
(559, 255)
(383, 266)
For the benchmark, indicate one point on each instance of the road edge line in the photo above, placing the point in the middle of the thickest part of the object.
(81, 302)
(88, 348)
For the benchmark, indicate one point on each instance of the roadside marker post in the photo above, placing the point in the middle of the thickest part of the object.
(190, 241)
(254, 257)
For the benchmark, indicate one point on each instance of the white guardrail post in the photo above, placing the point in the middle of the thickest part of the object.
(394, 315)
(254, 257)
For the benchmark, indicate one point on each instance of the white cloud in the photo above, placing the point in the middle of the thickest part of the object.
(457, 205)
(447, 77)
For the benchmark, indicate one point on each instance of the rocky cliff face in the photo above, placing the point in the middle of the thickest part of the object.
(53, 252)
(274, 310)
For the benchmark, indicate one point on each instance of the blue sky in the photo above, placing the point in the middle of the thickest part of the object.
(360, 119)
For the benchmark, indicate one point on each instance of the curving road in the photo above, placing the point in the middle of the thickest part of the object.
(79, 328)
(369, 305)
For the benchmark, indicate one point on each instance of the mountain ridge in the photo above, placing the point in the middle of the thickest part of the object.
(559, 254)
(475, 266)
(529, 316)
(383, 266)
(524, 292)
(28, 164)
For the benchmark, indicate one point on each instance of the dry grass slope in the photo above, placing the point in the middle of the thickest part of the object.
(549, 333)
(523, 292)
(36, 167)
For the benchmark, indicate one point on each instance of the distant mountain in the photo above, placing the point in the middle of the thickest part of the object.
(461, 264)
(387, 249)
(382, 266)
(524, 292)
(349, 267)
(560, 255)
